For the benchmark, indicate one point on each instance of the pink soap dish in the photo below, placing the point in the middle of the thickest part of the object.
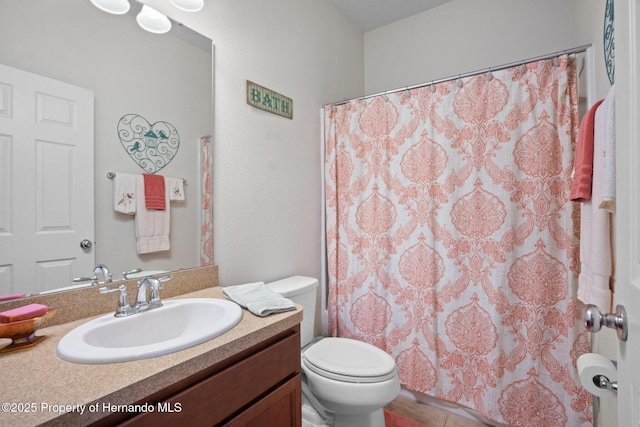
(23, 332)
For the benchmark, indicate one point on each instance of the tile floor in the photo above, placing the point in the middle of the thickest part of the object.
(430, 416)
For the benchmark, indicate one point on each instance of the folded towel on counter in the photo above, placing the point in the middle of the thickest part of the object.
(124, 193)
(154, 191)
(152, 225)
(176, 189)
(258, 298)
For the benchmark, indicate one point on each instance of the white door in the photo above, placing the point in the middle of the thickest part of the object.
(627, 40)
(46, 182)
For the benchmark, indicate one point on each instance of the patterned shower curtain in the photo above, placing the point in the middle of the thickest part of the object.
(451, 242)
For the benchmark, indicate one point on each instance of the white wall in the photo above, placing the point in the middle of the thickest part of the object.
(130, 71)
(463, 36)
(267, 168)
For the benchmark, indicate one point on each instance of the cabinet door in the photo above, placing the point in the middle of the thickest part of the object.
(280, 408)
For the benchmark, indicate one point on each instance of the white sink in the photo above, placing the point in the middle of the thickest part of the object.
(177, 325)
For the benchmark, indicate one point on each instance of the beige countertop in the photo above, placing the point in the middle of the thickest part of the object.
(38, 388)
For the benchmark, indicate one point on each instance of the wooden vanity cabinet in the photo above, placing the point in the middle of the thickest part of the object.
(258, 387)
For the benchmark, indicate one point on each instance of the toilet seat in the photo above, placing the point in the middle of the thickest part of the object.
(349, 360)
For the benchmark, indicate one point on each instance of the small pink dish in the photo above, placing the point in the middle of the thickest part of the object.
(23, 332)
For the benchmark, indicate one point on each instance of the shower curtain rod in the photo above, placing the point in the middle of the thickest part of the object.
(472, 73)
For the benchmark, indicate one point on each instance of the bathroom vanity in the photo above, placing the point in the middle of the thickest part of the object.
(260, 386)
(249, 375)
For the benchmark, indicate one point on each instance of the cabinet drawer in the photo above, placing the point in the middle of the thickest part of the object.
(228, 392)
(282, 407)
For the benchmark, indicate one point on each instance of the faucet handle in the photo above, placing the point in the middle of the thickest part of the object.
(125, 274)
(165, 279)
(93, 280)
(123, 299)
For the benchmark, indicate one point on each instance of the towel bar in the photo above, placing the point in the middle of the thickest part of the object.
(112, 175)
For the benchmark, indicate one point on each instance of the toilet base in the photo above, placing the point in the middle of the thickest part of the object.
(372, 419)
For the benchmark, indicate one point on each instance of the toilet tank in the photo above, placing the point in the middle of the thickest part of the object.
(301, 290)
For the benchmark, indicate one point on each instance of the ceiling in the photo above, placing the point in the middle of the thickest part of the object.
(371, 14)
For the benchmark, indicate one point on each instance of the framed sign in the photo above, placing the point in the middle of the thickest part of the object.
(268, 100)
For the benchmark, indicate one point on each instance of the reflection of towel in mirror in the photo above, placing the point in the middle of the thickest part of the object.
(154, 191)
(258, 298)
(176, 189)
(152, 225)
(124, 193)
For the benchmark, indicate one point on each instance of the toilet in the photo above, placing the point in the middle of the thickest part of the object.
(344, 380)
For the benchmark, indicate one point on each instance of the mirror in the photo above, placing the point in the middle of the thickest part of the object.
(130, 71)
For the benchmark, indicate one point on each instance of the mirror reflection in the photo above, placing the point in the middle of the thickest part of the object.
(160, 77)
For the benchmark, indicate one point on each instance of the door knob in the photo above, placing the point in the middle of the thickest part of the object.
(594, 320)
(86, 244)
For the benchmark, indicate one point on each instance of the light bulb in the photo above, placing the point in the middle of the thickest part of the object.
(117, 7)
(153, 21)
(188, 5)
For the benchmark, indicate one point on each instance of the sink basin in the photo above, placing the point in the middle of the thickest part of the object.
(177, 325)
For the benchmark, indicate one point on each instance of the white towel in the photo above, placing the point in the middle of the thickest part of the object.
(608, 196)
(152, 226)
(124, 193)
(594, 285)
(258, 298)
(176, 189)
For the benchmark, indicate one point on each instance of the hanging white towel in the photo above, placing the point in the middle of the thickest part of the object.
(595, 229)
(176, 188)
(152, 226)
(608, 196)
(124, 193)
(258, 298)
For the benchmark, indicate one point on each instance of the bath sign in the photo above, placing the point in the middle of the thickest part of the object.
(268, 100)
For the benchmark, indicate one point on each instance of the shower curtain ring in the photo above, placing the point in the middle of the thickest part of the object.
(523, 68)
(489, 75)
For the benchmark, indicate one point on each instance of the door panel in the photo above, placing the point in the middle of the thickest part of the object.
(46, 182)
(628, 205)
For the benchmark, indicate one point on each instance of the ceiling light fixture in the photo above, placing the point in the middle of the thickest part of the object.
(116, 7)
(148, 18)
(153, 21)
(188, 5)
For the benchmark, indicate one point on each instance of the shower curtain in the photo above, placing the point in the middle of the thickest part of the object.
(451, 242)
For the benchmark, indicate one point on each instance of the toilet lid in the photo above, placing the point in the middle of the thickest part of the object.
(344, 359)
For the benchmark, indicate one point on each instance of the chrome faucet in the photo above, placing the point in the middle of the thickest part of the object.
(106, 274)
(142, 303)
(125, 274)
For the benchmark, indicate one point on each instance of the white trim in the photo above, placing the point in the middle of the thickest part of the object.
(324, 314)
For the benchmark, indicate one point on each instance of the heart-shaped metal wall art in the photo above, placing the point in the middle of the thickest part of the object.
(151, 146)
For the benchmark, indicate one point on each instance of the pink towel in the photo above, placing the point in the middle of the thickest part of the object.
(583, 161)
(154, 191)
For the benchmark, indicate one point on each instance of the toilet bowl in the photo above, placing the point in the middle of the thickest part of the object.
(350, 380)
